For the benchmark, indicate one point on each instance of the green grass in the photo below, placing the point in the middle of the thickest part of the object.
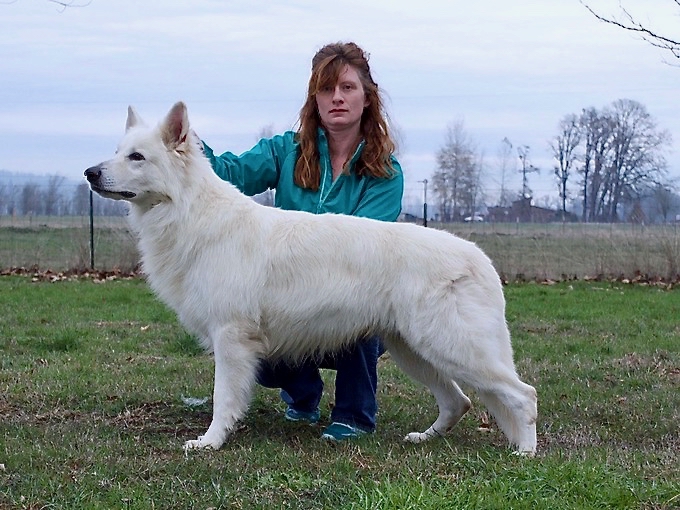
(92, 380)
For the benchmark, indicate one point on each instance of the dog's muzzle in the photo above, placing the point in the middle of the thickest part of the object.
(94, 177)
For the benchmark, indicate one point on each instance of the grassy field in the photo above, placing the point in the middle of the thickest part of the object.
(93, 378)
(559, 251)
(66, 245)
(519, 251)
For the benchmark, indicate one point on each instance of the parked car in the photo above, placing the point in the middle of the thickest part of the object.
(474, 218)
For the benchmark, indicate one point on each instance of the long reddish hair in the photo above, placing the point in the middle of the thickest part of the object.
(327, 66)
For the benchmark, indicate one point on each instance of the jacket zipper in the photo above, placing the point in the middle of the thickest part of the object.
(323, 196)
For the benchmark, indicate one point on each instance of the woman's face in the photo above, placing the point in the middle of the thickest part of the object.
(341, 107)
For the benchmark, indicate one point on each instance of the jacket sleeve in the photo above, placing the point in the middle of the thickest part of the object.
(382, 199)
(254, 171)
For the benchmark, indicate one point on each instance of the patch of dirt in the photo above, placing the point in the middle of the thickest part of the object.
(145, 418)
(38, 274)
(41, 275)
(660, 364)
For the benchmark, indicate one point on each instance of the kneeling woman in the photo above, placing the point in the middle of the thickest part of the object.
(340, 160)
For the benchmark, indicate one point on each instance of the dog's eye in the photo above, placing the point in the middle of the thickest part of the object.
(135, 156)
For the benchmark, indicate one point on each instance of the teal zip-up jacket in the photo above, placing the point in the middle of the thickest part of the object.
(271, 163)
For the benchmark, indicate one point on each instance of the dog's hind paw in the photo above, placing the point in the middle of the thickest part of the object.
(524, 453)
(421, 437)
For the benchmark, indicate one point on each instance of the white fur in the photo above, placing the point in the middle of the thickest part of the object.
(254, 282)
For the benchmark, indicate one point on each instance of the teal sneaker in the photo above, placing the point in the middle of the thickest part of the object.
(341, 432)
(311, 417)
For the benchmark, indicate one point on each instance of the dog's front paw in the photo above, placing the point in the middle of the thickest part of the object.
(202, 442)
(421, 437)
(415, 437)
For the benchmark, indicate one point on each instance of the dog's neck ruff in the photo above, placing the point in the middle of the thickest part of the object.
(151, 203)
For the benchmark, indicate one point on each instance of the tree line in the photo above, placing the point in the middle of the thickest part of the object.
(54, 198)
(616, 155)
(606, 160)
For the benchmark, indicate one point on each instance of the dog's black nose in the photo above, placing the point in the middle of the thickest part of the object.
(93, 173)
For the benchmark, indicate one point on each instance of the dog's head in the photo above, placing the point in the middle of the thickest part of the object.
(148, 164)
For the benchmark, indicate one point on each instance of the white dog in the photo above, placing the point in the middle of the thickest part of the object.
(254, 282)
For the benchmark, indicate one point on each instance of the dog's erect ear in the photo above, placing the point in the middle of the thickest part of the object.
(175, 127)
(132, 119)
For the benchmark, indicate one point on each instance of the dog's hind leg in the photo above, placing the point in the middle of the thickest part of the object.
(513, 404)
(452, 402)
(472, 346)
(491, 372)
(235, 367)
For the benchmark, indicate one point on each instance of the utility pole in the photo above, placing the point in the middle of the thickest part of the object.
(424, 181)
(91, 230)
(523, 153)
(527, 167)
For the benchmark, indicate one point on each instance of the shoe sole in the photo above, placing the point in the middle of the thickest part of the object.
(300, 420)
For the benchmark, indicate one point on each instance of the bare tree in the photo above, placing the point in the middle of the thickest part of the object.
(81, 200)
(4, 199)
(108, 207)
(628, 22)
(623, 154)
(637, 153)
(664, 200)
(63, 4)
(52, 198)
(30, 199)
(564, 147)
(456, 182)
(595, 130)
(265, 132)
(9, 199)
(505, 158)
(474, 195)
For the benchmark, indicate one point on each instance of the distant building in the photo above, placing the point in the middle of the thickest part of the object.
(523, 211)
(410, 218)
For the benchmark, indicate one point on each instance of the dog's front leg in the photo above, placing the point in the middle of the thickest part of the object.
(235, 367)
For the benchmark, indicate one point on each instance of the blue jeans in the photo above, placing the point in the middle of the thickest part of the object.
(356, 382)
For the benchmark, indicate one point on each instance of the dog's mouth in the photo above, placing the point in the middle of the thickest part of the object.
(127, 195)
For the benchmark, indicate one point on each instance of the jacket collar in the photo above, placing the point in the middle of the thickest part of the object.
(324, 151)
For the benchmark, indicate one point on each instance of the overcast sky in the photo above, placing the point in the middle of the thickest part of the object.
(506, 69)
